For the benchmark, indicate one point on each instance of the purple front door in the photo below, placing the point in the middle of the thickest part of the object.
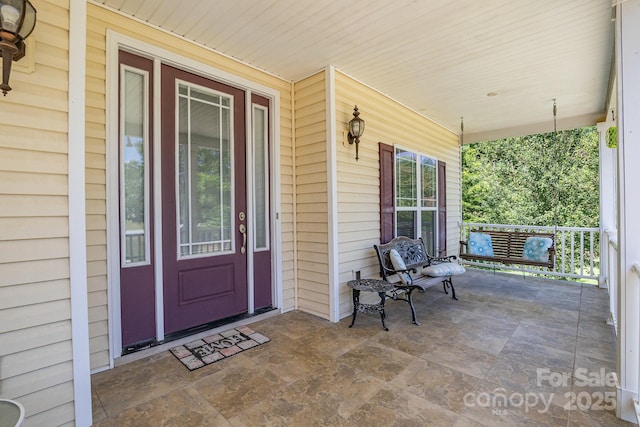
(212, 155)
(204, 221)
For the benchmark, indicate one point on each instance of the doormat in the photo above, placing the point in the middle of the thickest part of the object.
(216, 347)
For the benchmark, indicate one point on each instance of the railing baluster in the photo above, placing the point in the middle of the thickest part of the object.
(581, 253)
(564, 252)
(591, 252)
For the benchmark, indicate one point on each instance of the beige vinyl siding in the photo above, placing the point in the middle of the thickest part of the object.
(358, 182)
(311, 195)
(35, 308)
(99, 20)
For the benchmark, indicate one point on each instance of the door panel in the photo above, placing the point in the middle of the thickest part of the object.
(204, 193)
(263, 294)
(137, 289)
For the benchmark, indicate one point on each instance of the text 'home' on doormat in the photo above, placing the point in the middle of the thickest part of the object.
(216, 347)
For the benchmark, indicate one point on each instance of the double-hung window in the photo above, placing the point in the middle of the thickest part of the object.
(416, 204)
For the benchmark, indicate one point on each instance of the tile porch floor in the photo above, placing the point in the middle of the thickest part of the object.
(530, 339)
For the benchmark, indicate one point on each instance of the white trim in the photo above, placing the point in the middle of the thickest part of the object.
(628, 66)
(625, 404)
(116, 41)
(276, 220)
(418, 208)
(190, 65)
(567, 123)
(112, 200)
(607, 179)
(332, 194)
(157, 199)
(77, 214)
(248, 176)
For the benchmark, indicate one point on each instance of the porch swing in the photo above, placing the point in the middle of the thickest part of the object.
(526, 248)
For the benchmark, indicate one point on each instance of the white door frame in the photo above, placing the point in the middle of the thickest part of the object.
(115, 42)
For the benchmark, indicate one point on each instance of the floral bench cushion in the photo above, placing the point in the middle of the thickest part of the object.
(537, 249)
(480, 244)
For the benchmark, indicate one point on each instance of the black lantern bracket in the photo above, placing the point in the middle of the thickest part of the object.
(356, 129)
(17, 20)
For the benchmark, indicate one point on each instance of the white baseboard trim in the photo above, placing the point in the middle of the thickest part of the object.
(626, 407)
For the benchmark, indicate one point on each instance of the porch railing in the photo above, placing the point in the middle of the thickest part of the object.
(610, 256)
(577, 250)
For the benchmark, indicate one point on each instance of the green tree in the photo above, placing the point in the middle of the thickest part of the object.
(545, 179)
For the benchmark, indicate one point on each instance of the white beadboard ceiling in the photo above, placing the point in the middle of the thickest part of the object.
(439, 57)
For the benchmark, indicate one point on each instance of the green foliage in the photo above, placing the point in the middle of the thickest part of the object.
(612, 137)
(545, 179)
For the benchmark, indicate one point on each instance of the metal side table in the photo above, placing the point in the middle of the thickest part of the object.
(369, 285)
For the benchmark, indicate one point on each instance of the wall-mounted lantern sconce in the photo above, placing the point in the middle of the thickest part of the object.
(356, 129)
(17, 19)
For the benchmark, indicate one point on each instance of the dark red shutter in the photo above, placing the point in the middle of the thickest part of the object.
(442, 208)
(387, 192)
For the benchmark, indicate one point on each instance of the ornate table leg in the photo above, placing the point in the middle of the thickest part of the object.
(383, 315)
(356, 302)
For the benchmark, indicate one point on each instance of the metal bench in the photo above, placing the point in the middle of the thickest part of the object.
(415, 258)
(508, 247)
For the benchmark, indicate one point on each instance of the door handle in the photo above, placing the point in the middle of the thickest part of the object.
(243, 229)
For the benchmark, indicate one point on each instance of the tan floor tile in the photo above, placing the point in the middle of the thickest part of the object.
(339, 339)
(242, 384)
(287, 359)
(596, 349)
(182, 407)
(449, 352)
(502, 327)
(98, 413)
(127, 386)
(392, 406)
(326, 398)
(479, 337)
(436, 383)
(376, 360)
(549, 337)
(538, 355)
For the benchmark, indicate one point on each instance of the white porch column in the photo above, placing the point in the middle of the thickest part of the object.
(608, 171)
(628, 61)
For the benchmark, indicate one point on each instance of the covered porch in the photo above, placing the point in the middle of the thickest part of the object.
(417, 71)
(513, 350)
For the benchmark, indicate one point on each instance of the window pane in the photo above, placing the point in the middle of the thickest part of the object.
(406, 224)
(133, 164)
(428, 231)
(261, 201)
(204, 174)
(406, 186)
(428, 181)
